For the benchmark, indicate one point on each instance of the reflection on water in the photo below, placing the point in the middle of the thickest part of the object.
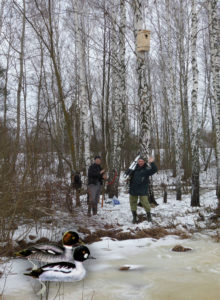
(158, 274)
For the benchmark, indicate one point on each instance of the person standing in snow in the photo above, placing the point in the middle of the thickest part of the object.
(95, 177)
(138, 186)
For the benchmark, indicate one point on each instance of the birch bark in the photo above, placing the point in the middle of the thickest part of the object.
(85, 111)
(215, 69)
(3, 2)
(143, 89)
(144, 92)
(174, 108)
(104, 92)
(19, 89)
(194, 95)
(183, 82)
(118, 94)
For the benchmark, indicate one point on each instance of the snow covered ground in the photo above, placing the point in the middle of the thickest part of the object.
(178, 215)
(174, 218)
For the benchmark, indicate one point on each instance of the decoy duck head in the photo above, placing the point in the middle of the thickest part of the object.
(82, 253)
(70, 238)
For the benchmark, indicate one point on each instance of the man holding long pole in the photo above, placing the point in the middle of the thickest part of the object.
(138, 186)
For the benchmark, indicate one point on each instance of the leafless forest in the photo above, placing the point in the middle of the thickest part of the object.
(74, 84)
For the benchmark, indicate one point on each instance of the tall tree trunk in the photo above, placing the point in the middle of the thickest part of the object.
(103, 88)
(85, 111)
(183, 80)
(174, 109)
(8, 58)
(195, 127)
(27, 142)
(19, 89)
(118, 96)
(215, 69)
(39, 90)
(107, 111)
(5, 95)
(3, 2)
(143, 89)
(144, 93)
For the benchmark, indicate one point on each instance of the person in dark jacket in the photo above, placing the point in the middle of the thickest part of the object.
(95, 177)
(139, 187)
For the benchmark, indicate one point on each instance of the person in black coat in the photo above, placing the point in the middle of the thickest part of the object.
(138, 186)
(95, 177)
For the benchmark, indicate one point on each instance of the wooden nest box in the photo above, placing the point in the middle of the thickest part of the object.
(143, 40)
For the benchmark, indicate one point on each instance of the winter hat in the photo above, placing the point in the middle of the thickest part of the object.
(141, 157)
(97, 156)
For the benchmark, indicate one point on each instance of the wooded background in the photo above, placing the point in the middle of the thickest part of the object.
(73, 85)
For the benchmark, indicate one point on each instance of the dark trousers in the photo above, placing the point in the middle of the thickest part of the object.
(94, 191)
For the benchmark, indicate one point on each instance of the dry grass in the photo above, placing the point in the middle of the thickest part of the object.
(118, 234)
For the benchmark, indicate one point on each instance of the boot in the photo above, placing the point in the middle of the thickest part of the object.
(89, 211)
(94, 209)
(134, 213)
(149, 219)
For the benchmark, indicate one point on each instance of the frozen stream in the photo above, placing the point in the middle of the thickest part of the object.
(157, 274)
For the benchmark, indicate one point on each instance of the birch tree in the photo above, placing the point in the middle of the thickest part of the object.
(122, 76)
(194, 95)
(215, 69)
(8, 61)
(20, 81)
(144, 92)
(118, 94)
(174, 108)
(183, 42)
(85, 110)
(105, 92)
(3, 2)
(144, 104)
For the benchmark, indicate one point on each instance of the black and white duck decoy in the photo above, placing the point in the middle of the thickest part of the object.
(64, 271)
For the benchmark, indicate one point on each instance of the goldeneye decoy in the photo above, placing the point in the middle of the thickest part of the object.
(64, 271)
(52, 253)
